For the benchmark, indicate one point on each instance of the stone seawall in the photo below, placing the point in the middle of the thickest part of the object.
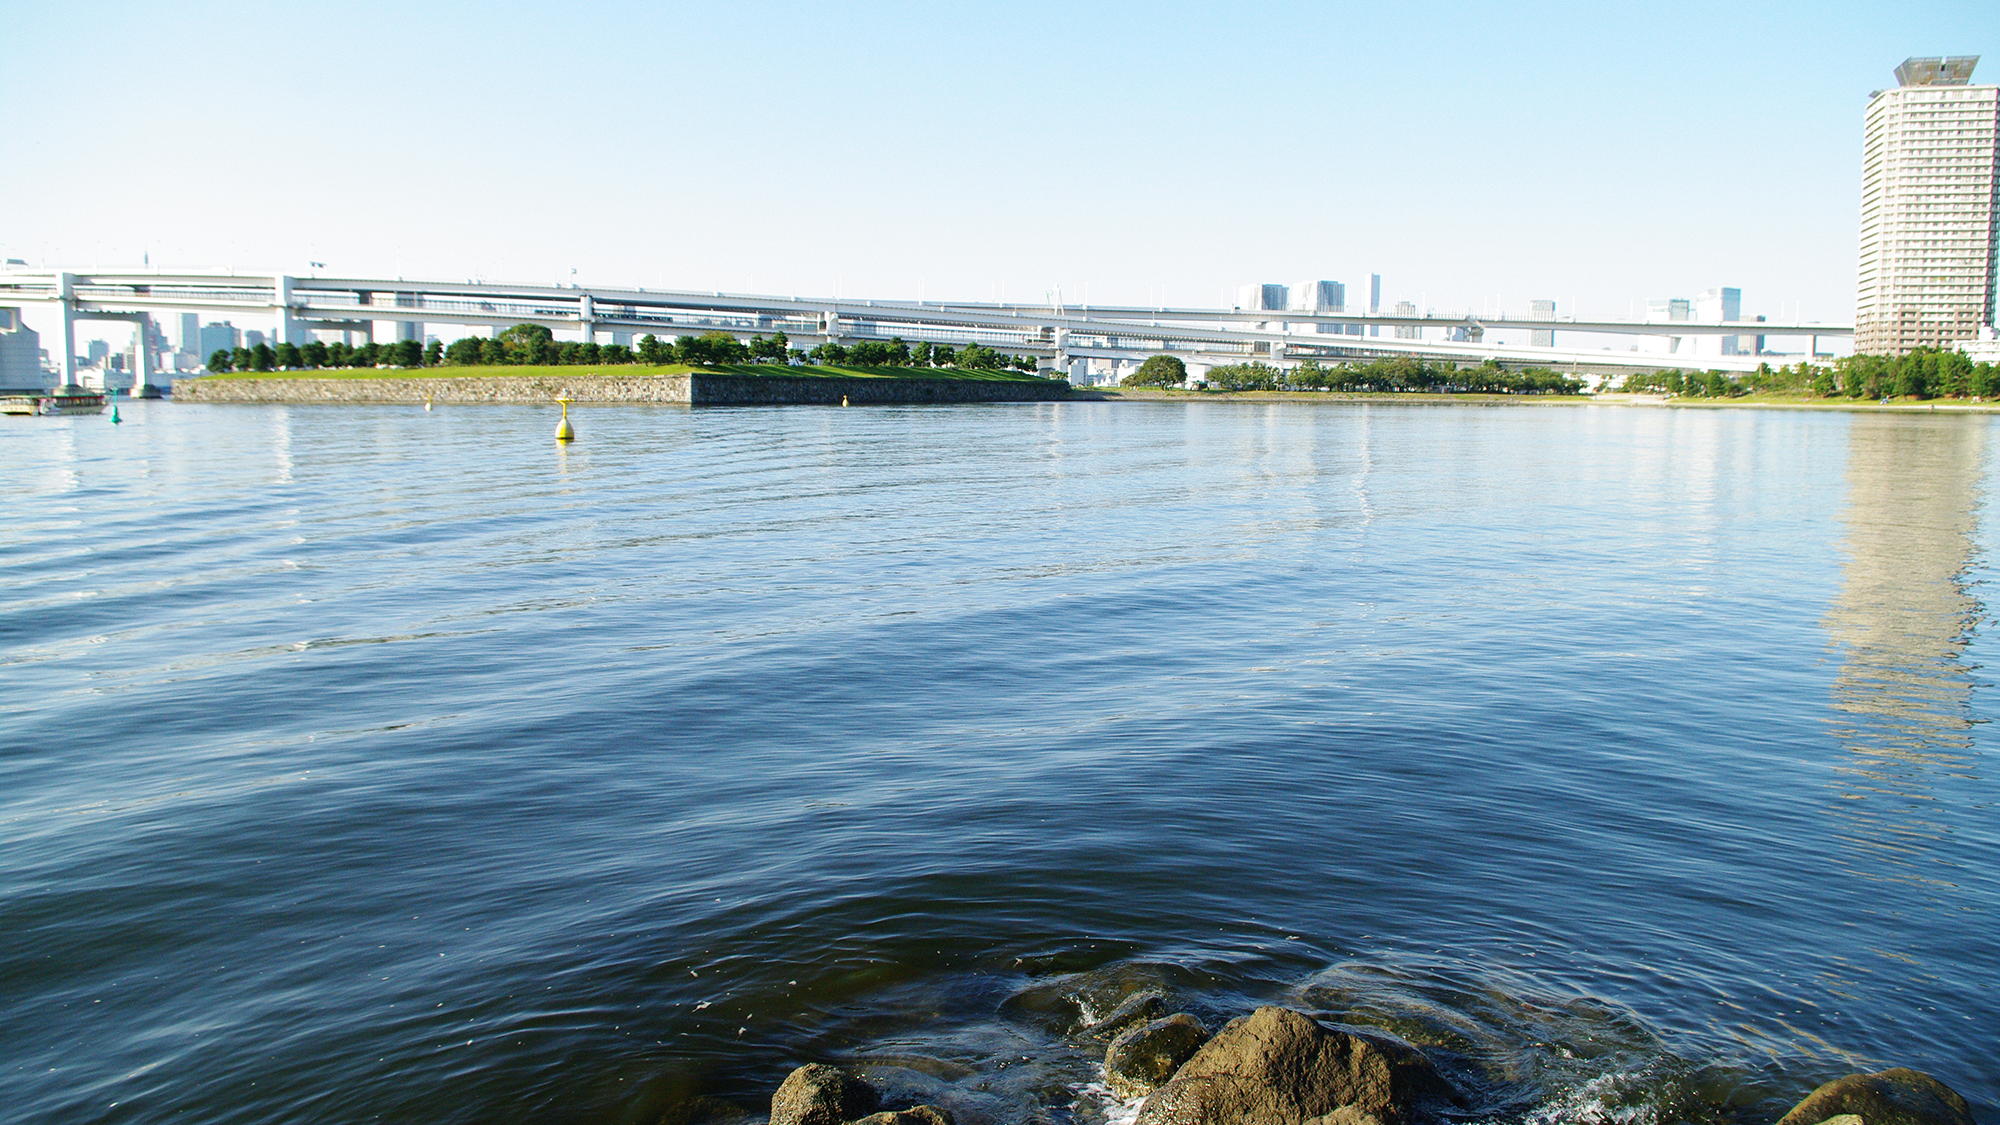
(695, 390)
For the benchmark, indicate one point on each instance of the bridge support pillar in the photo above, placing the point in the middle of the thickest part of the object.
(66, 303)
(586, 312)
(284, 326)
(142, 360)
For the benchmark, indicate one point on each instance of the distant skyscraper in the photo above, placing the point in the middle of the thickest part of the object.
(1930, 163)
(190, 337)
(1259, 297)
(1374, 302)
(1320, 297)
(1719, 306)
(1541, 308)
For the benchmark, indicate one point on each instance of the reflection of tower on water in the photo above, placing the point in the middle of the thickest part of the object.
(1901, 621)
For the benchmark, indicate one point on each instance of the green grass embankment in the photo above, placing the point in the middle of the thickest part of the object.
(638, 370)
(1168, 394)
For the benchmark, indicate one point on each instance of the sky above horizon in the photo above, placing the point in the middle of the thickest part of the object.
(1475, 155)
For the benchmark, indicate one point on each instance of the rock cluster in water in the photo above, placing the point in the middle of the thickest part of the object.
(1277, 1066)
(817, 1094)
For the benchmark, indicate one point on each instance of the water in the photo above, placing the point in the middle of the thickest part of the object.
(373, 764)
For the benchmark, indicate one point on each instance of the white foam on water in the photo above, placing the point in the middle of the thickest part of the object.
(1595, 1102)
(1117, 1110)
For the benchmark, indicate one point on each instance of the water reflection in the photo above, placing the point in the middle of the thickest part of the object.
(1901, 621)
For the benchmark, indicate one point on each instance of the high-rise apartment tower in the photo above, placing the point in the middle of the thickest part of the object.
(1930, 185)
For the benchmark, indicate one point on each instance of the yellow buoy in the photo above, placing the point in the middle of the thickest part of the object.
(843, 400)
(563, 430)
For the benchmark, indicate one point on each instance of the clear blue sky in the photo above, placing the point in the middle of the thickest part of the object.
(1470, 153)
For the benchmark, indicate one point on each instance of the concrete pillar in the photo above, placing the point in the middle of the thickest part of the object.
(142, 366)
(66, 302)
(587, 313)
(284, 326)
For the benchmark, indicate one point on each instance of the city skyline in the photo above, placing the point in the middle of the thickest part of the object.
(1103, 154)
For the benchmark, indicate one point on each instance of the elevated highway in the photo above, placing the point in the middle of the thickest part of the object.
(1060, 335)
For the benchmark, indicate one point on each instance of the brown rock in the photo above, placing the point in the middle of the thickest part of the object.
(915, 1115)
(1899, 1096)
(817, 1094)
(1280, 1067)
(1146, 1056)
(1136, 1009)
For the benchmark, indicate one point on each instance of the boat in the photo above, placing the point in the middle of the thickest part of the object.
(52, 402)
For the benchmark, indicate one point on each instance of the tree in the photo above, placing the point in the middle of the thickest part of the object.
(652, 351)
(523, 343)
(287, 355)
(263, 358)
(492, 351)
(314, 353)
(220, 360)
(614, 353)
(1158, 371)
(403, 353)
(978, 357)
(433, 353)
(239, 358)
(465, 352)
(920, 356)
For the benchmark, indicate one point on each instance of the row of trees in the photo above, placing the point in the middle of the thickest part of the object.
(534, 344)
(1922, 374)
(1401, 373)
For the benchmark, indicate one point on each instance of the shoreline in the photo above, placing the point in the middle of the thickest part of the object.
(683, 387)
(1615, 398)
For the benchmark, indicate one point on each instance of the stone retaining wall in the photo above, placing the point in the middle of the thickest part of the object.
(696, 389)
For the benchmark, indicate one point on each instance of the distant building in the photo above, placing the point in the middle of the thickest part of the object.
(221, 335)
(1667, 310)
(1258, 297)
(1374, 302)
(1983, 348)
(1719, 306)
(189, 339)
(1320, 297)
(252, 338)
(20, 354)
(1930, 164)
(1407, 331)
(1542, 308)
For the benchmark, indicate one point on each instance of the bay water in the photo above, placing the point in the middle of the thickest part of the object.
(375, 764)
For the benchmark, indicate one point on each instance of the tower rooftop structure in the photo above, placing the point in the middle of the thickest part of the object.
(1952, 70)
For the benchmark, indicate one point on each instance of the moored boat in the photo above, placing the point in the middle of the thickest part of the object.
(53, 402)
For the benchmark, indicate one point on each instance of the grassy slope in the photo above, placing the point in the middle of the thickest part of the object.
(631, 370)
(1142, 393)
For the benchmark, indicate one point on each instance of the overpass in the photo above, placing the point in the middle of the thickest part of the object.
(1059, 335)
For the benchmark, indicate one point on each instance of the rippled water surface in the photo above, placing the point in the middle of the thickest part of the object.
(373, 764)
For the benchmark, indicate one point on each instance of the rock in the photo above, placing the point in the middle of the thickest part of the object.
(1891, 1097)
(817, 1094)
(1138, 1008)
(1280, 1067)
(1146, 1056)
(915, 1115)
